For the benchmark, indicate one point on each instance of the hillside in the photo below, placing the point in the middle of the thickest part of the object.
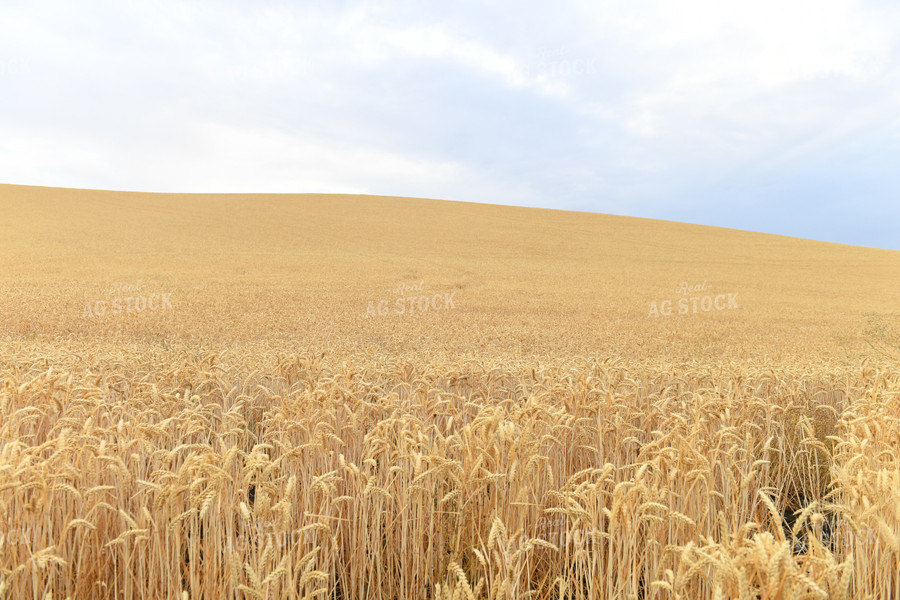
(299, 271)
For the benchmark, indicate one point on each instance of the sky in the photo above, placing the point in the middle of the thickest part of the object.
(781, 116)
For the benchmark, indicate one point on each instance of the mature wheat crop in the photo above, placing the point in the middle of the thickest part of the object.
(131, 477)
(259, 435)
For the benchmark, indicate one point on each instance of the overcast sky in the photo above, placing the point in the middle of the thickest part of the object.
(780, 116)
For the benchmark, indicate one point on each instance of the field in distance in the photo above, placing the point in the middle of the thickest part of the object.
(289, 396)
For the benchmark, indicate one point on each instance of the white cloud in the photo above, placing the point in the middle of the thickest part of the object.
(767, 42)
(29, 157)
(377, 44)
(711, 51)
(716, 86)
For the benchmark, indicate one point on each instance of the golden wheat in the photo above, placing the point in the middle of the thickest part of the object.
(544, 439)
(591, 481)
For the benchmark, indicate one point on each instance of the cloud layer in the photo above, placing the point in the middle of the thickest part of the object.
(772, 116)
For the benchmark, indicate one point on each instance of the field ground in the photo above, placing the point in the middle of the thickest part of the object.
(218, 396)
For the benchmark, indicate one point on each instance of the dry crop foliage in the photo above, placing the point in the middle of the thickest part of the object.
(151, 472)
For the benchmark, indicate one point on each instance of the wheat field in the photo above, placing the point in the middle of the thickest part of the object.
(349, 397)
